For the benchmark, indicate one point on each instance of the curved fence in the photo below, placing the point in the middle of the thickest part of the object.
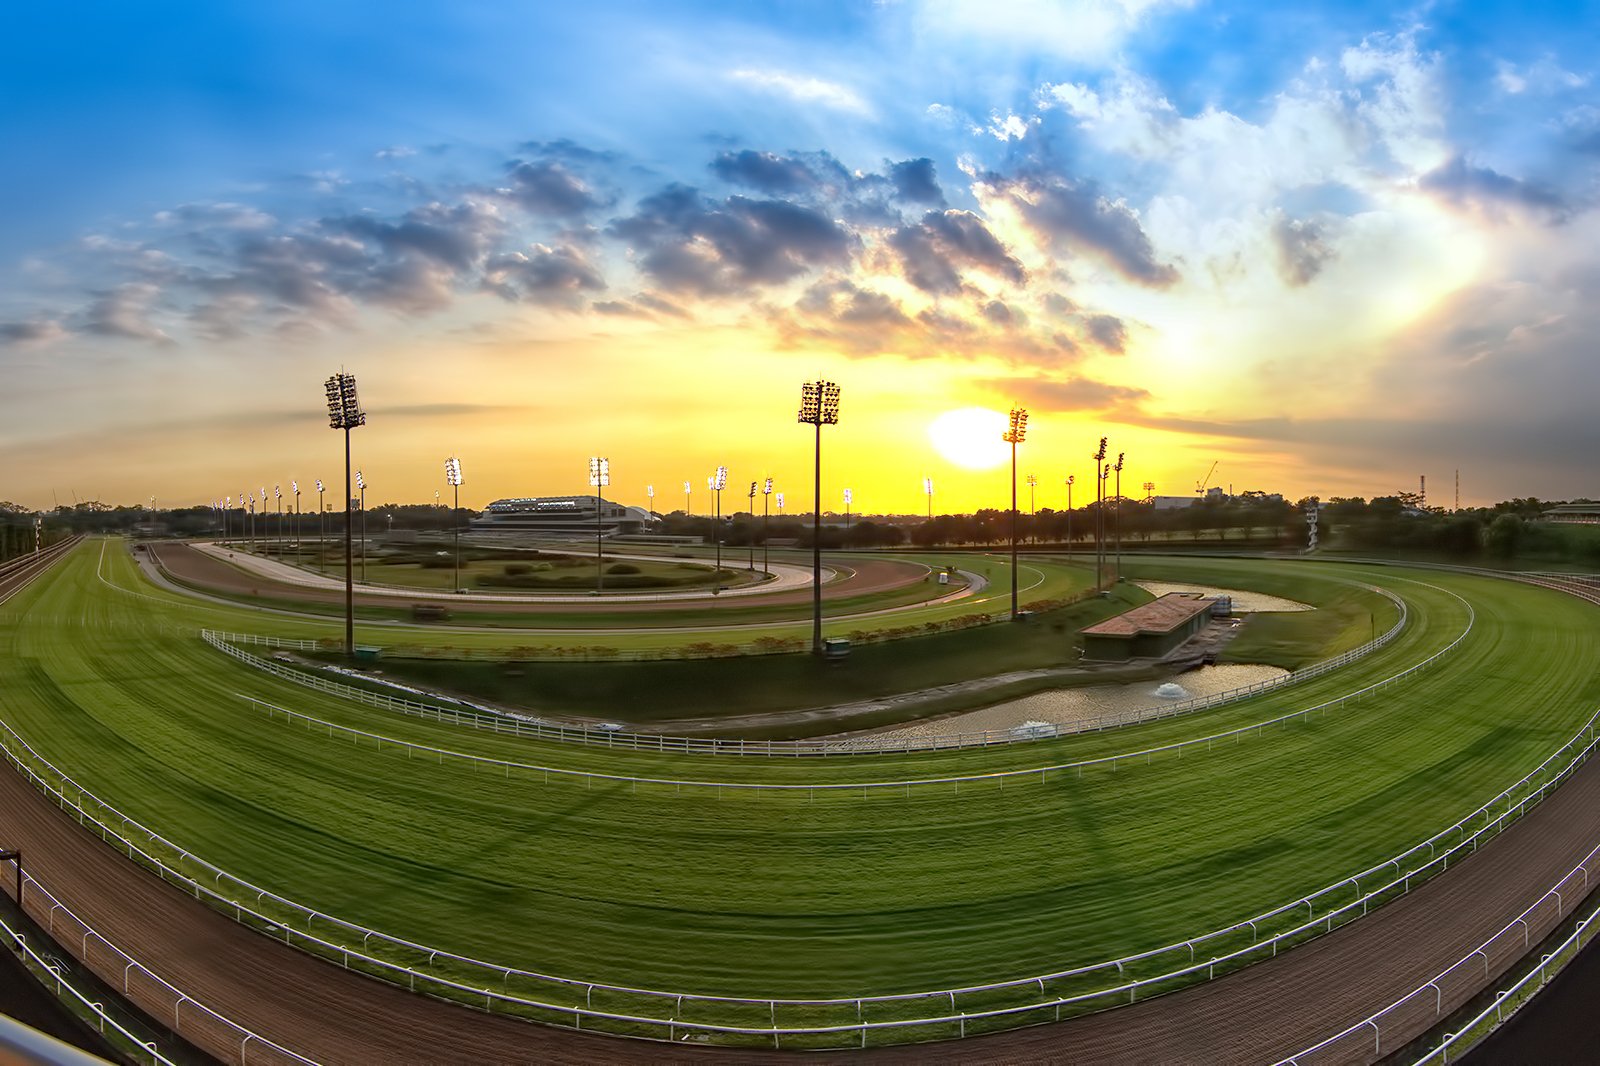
(463, 713)
(159, 998)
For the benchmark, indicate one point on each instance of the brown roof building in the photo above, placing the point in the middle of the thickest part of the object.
(1148, 631)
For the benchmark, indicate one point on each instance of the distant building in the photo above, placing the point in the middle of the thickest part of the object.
(1580, 513)
(1171, 503)
(563, 516)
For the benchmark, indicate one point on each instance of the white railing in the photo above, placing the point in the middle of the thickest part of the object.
(156, 995)
(1424, 1006)
(40, 965)
(529, 726)
(425, 956)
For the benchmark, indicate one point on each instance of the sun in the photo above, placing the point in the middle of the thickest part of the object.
(970, 437)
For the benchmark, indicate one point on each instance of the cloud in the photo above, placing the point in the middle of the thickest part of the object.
(125, 312)
(803, 89)
(687, 243)
(1081, 30)
(1072, 394)
(764, 171)
(1070, 217)
(1301, 250)
(1107, 332)
(542, 275)
(914, 181)
(31, 332)
(933, 251)
(1489, 192)
(548, 188)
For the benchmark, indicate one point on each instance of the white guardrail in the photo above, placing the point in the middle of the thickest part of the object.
(1113, 761)
(1458, 982)
(529, 726)
(158, 997)
(1400, 871)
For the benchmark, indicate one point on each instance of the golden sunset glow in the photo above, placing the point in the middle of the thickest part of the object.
(970, 437)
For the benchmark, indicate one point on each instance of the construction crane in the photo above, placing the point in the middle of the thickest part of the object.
(1200, 486)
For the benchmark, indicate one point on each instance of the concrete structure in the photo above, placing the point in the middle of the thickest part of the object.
(1579, 513)
(1172, 503)
(563, 516)
(1148, 631)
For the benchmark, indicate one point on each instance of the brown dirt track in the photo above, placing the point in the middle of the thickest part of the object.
(1258, 1015)
(205, 572)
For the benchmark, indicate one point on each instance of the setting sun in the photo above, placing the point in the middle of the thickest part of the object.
(970, 437)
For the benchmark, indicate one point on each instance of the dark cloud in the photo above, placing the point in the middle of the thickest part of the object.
(933, 251)
(542, 275)
(1463, 185)
(125, 312)
(1108, 333)
(687, 243)
(1073, 394)
(619, 308)
(33, 331)
(548, 188)
(456, 236)
(1071, 218)
(914, 181)
(652, 302)
(1301, 249)
(764, 171)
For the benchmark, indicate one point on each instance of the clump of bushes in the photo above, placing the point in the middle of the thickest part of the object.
(622, 568)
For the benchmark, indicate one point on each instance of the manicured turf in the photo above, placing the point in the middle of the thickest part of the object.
(773, 895)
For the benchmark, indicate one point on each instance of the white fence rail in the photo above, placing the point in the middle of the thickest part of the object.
(160, 998)
(529, 726)
(1424, 1006)
(1399, 871)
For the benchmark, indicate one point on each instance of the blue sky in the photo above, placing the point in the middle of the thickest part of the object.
(1336, 245)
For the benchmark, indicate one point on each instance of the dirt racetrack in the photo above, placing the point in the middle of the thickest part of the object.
(202, 571)
(1260, 1014)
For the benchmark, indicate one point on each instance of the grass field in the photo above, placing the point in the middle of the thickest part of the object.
(782, 895)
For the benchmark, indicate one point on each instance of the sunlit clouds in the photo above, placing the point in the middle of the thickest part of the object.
(1333, 252)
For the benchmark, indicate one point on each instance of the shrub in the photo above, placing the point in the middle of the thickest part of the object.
(622, 568)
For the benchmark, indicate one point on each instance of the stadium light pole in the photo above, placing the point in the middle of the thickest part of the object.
(1033, 511)
(848, 498)
(819, 406)
(752, 565)
(686, 490)
(599, 478)
(452, 474)
(361, 487)
(1015, 434)
(1099, 479)
(277, 495)
(1070, 479)
(1116, 573)
(295, 486)
(228, 506)
(716, 483)
(766, 519)
(266, 530)
(650, 495)
(344, 412)
(927, 487)
(780, 504)
(322, 521)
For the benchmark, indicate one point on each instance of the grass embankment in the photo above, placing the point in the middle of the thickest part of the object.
(1346, 616)
(783, 894)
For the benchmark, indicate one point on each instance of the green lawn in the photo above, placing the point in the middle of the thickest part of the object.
(770, 894)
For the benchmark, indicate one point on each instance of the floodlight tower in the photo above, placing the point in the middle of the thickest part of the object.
(848, 496)
(1099, 479)
(277, 495)
(344, 412)
(1117, 572)
(1033, 511)
(927, 487)
(322, 516)
(650, 494)
(361, 487)
(766, 516)
(227, 506)
(716, 483)
(780, 504)
(819, 406)
(1070, 479)
(687, 488)
(752, 565)
(1014, 435)
(452, 474)
(266, 532)
(599, 478)
(295, 485)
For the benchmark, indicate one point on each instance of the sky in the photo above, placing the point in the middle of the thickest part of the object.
(1329, 247)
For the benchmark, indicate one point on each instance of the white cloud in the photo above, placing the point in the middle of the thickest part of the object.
(804, 89)
(1011, 128)
(1076, 29)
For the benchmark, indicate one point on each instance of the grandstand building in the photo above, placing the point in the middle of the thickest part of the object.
(563, 516)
